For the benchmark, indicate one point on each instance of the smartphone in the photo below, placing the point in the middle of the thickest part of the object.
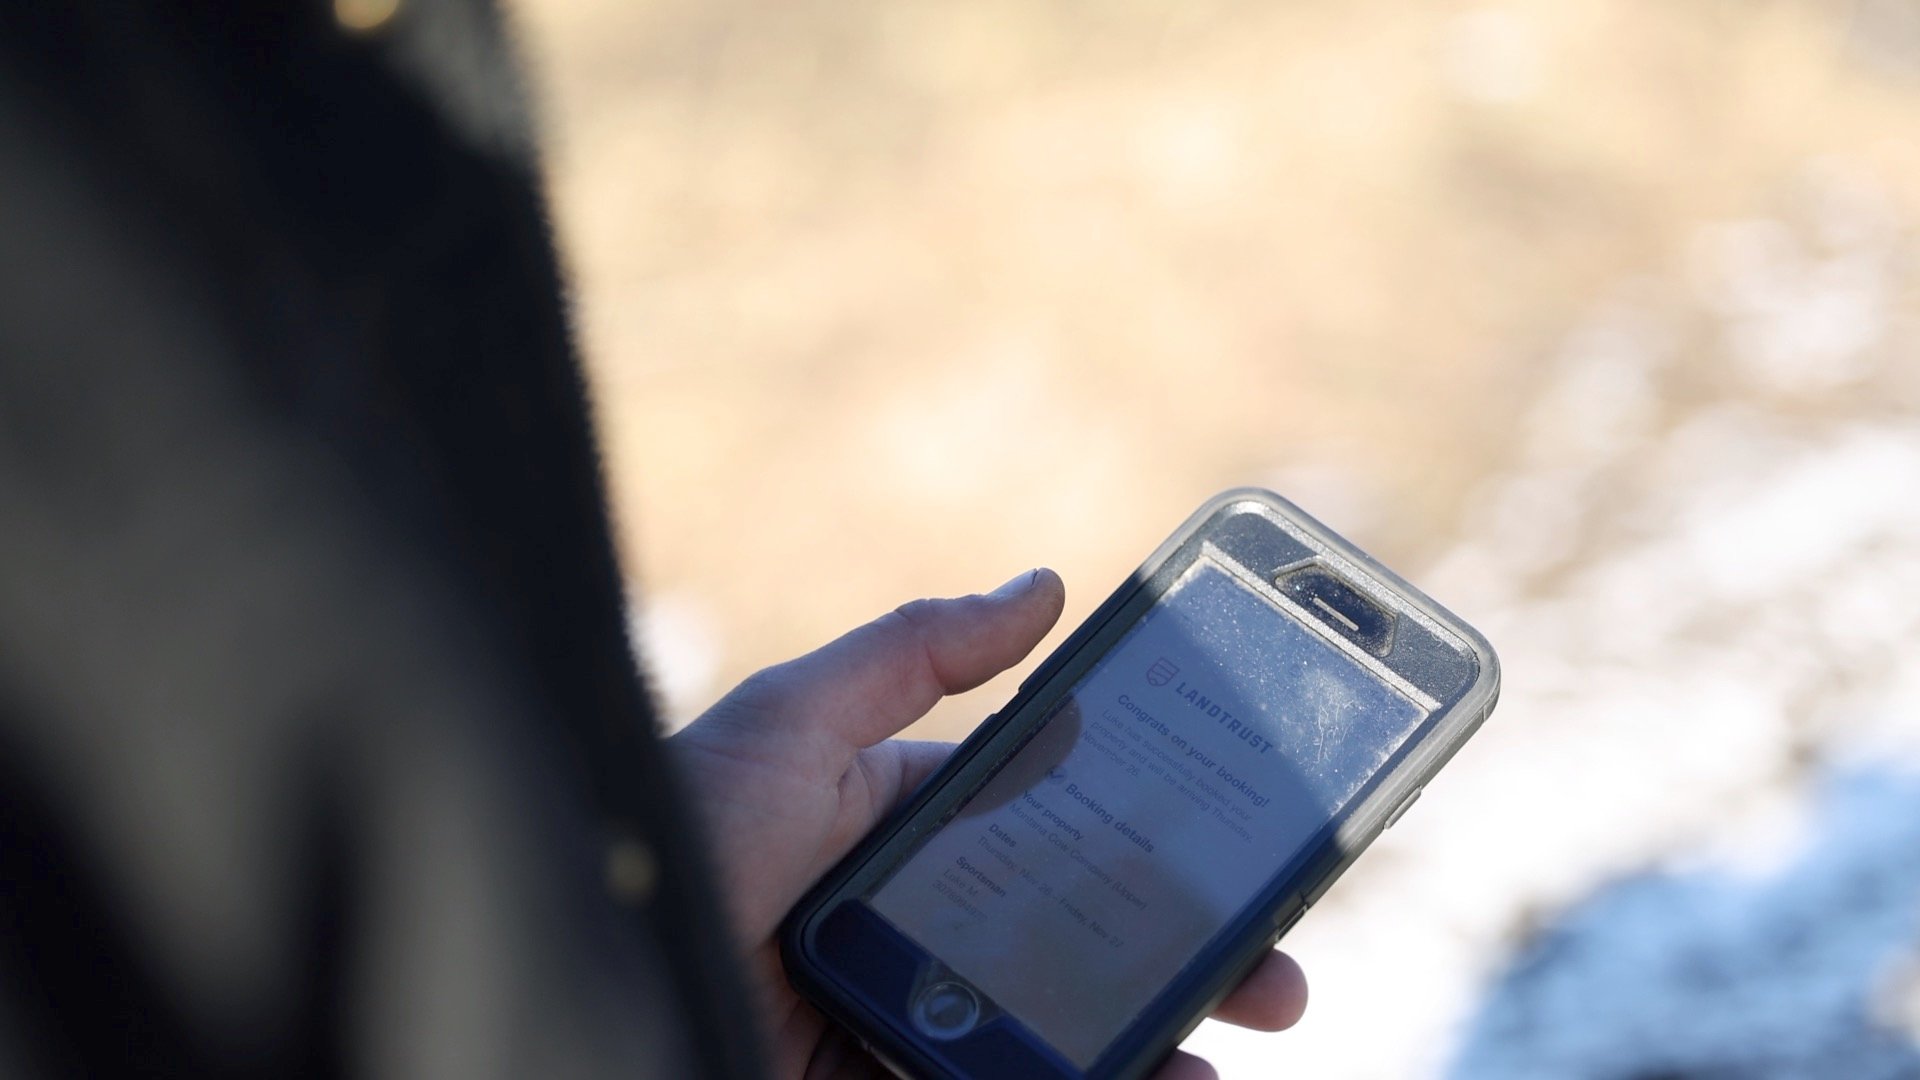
(1162, 799)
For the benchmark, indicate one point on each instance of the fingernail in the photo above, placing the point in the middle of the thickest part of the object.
(1020, 583)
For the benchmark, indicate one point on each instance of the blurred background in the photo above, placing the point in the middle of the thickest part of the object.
(1599, 320)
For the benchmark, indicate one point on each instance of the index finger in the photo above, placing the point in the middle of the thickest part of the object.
(1272, 997)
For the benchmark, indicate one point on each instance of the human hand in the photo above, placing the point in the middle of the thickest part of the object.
(797, 764)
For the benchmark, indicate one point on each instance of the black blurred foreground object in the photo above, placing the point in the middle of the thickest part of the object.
(321, 750)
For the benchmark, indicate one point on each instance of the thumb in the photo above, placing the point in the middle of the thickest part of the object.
(869, 683)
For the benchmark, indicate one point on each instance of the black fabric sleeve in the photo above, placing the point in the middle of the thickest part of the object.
(322, 751)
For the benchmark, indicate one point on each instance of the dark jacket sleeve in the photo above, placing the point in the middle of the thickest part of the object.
(322, 751)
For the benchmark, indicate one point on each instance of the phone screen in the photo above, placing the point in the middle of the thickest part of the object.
(1170, 785)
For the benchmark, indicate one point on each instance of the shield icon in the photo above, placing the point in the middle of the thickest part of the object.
(1161, 671)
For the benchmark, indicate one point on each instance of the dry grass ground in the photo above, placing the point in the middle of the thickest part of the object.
(889, 298)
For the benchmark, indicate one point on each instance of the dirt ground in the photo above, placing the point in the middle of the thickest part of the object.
(887, 299)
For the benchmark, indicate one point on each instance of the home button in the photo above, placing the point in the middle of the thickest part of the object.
(946, 1010)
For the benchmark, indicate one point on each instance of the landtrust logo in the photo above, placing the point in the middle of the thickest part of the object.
(1162, 672)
